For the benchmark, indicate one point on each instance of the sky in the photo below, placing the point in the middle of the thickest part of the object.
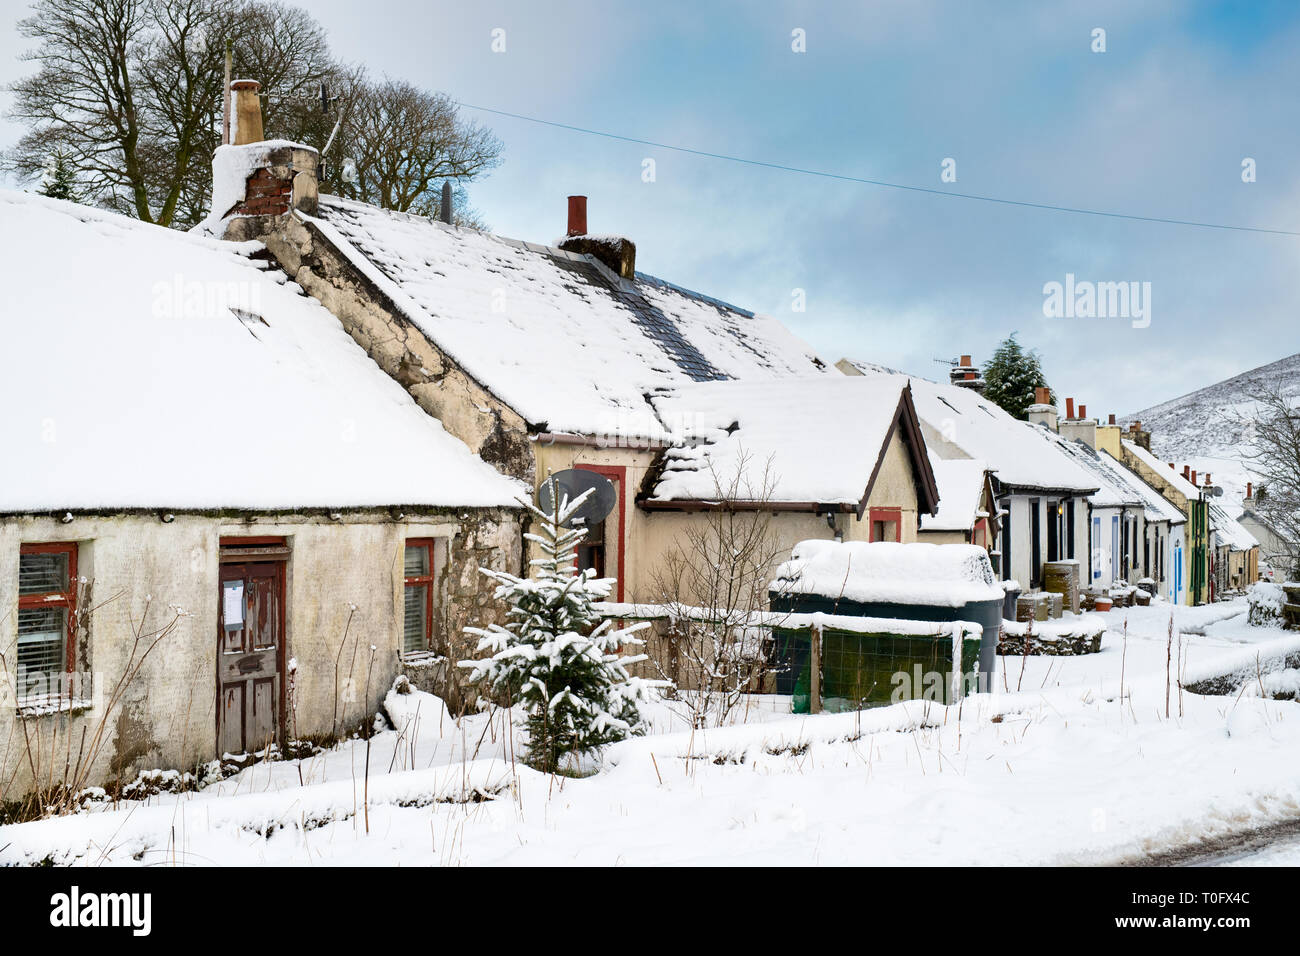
(1158, 125)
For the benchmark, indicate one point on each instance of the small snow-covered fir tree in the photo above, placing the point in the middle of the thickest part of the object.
(1011, 376)
(555, 655)
(59, 181)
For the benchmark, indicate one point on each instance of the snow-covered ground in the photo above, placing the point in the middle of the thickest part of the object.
(1053, 765)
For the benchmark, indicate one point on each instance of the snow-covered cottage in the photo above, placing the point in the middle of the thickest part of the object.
(198, 449)
(1136, 535)
(827, 456)
(1275, 550)
(968, 508)
(1041, 491)
(1181, 491)
(541, 358)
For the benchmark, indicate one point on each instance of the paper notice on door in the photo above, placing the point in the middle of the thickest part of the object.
(232, 605)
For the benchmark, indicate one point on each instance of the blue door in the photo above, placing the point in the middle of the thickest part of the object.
(1178, 573)
(1096, 547)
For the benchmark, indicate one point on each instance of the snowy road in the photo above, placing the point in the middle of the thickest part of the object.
(1087, 760)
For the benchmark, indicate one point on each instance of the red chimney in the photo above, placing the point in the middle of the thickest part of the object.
(965, 361)
(1193, 478)
(1112, 419)
(1187, 471)
(1248, 490)
(1173, 466)
(1042, 396)
(1083, 412)
(1069, 409)
(577, 216)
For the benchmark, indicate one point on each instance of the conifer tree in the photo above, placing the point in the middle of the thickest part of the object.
(555, 655)
(1011, 376)
(60, 179)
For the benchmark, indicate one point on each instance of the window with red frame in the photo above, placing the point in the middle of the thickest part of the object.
(47, 597)
(420, 567)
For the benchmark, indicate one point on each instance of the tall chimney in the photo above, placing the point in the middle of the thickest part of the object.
(1193, 477)
(964, 361)
(1187, 472)
(1111, 420)
(577, 216)
(1249, 489)
(1042, 412)
(1083, 412)
(1069, 409)
(445, 208)
(616, 253)
(248, 112)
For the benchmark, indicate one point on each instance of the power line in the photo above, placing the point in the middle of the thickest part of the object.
(880, 182)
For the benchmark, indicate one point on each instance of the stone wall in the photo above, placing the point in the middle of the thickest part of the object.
(490, 428)
(344, 593)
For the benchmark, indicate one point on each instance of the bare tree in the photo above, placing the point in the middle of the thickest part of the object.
(130, 93)
(125, 89)
(1273, 428)
(711, 583)
(405, 141)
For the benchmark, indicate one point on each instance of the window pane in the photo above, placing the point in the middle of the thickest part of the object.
(42, 573)
(42, 645)
(415, 635)
(417, 560)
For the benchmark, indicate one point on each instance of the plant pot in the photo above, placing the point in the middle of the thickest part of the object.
(1103, 604)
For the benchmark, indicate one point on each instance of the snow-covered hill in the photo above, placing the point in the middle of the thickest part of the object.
(1202, 424)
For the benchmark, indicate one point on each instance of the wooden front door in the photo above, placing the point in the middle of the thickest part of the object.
(250, 656)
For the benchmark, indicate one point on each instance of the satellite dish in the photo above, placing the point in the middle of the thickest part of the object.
(572, 482)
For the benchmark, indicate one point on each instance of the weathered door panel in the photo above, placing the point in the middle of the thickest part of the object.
(250, 653)
(230, 719)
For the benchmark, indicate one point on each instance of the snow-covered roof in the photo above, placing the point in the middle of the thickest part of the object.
(1229, 530)
(961, 493)
(1155, 506)
(941, 575)
(1161, 468)
(969, 426)
(1112, 491)
(818, 439)
(148, 368)
(558, 337)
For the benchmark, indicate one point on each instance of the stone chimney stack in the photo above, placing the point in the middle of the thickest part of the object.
(966, 375)
(1138, 436)
(1043, 412)
(255, 179)
(615, 252)
(1079, 428)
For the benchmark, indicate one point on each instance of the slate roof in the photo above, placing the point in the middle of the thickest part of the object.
(1021, 456)
(164, 370)
(557, 336)
(819, 440)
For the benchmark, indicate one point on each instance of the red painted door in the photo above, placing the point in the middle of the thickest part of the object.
(250, 656)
